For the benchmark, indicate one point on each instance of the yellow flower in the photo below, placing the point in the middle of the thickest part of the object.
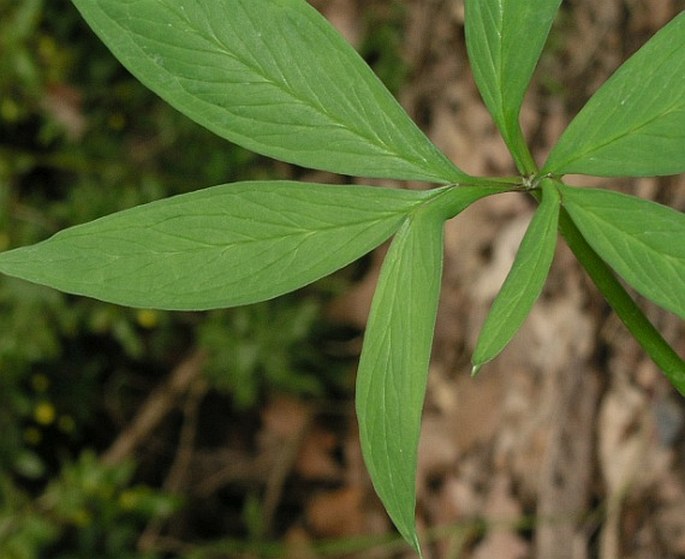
(147, 318)
(44, 413)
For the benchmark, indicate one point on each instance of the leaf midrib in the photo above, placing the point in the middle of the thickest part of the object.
(223, 246)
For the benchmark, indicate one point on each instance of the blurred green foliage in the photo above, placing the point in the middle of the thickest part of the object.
(269, 348)
(382, 48)
(89, 510)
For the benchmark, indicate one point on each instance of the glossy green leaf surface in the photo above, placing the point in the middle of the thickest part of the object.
(391, 381)
(272, 76)
(643, 241)
(525, 280)
(504, 40)
(634, 125)
(218, 247)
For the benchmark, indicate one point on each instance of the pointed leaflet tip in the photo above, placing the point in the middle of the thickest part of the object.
(417, 546)
(475, 369)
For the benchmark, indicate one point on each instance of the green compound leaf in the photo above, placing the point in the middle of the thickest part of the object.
(634, 125)
(393, 369)
(525, 280)
(218, 247)
(643, 241)
(504, 40)
(272, 76)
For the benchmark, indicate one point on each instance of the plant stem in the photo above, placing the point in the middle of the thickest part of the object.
(452, 200)
(513, 182)
(518, 147)
(623, 304)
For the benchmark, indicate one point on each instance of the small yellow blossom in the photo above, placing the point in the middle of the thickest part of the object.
(44, 413)
(147, 318)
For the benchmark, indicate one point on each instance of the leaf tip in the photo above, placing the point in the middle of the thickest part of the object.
(475, 369)
(416, 544)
